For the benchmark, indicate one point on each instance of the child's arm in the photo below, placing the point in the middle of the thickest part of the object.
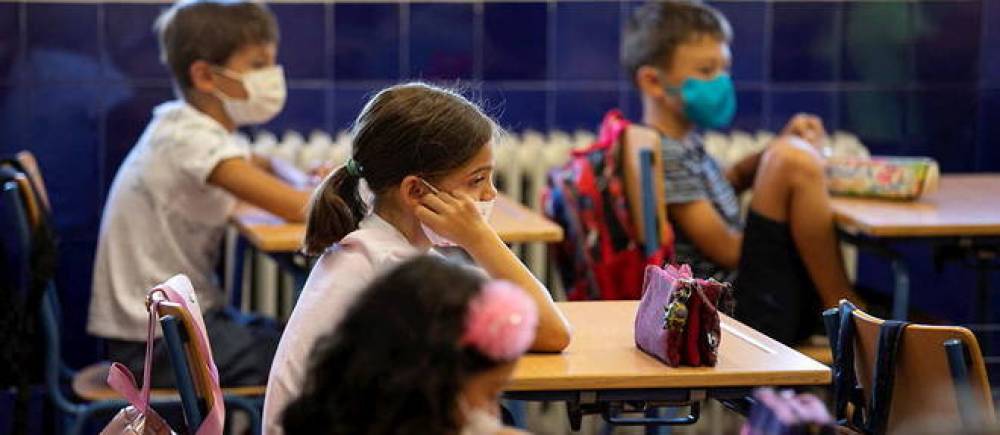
(456, 217)
(251, 184)
(701, 223)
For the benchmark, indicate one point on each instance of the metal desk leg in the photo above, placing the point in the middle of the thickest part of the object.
(239, 258)
(900, 271)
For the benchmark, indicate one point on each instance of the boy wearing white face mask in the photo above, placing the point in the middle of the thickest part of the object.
(785, 256)
(170, 201)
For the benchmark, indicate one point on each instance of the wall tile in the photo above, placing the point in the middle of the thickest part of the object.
(947, 44)
(587, 36)
(127, 118)
(804, 44)
(878, 42)
(366, 41)
(988, 146)
(991, 42)
(442, 44)
(786, 104)
(304, 111)
(516, 110)
(13, 118)
(68, 55)
(302, 50)
(64, 127)
(10, 38)
(132, 47)
(583, 109)
(877, 117)
(749, 110)
(747, 21)
(514, 41)
(942, 124)
(347, 104)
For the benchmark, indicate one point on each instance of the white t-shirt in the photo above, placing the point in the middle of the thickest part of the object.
(333, 285)
(162, 218)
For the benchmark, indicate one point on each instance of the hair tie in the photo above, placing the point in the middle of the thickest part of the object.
(353, 168)
(501, 321)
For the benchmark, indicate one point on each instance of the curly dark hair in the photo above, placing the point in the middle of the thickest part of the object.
(394, 365)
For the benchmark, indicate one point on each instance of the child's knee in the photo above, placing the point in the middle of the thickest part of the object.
(796, 158)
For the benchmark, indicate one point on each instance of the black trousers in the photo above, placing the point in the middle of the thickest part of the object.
(243, 347)
(774, 293)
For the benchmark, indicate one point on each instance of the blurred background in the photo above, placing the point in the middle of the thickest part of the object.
(78, 82)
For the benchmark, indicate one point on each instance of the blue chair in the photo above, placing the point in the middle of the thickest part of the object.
(194, 383)
(91, 396)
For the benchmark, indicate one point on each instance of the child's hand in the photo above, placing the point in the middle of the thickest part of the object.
(808, 127)
(453, 216)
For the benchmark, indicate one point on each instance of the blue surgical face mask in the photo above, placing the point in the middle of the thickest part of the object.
(708, 103)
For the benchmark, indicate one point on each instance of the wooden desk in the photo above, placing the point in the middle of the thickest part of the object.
(603, 356)
(965, 205)
(514, 223)
(962, 214)
(602, 370)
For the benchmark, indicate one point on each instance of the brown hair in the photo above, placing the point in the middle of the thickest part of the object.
(210, 30)
(654, 31)
(408, 129)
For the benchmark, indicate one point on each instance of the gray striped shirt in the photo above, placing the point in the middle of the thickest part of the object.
(691, 175)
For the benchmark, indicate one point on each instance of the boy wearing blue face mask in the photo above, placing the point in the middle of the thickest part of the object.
(784, 258)
(170, 202)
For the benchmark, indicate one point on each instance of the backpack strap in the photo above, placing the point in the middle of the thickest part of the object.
(889, 339)
(844, 380)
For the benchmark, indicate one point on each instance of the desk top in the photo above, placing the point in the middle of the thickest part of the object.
(514, 223)
(603, 355)
(964, 205)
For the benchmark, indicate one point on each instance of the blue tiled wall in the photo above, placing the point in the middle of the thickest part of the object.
(78, 81)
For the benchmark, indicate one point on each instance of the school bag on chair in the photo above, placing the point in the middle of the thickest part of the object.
(140, 418)
(601, 257)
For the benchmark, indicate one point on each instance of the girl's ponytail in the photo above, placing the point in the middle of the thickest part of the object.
(335, 209)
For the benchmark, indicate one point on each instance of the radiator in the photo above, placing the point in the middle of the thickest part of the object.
(522, 163)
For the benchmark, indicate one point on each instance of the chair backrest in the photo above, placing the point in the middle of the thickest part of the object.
(30, 165)
(923, 389)
(194, 383)
(640, 141)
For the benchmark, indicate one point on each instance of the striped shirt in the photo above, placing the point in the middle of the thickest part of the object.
(692, 175)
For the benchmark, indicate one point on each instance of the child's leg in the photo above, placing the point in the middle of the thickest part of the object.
(791, 187)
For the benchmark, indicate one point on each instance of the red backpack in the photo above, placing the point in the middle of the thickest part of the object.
(601, 256)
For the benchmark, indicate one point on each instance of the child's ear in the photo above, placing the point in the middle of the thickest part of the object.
(201, 75)
(411, 190)
(649, 80)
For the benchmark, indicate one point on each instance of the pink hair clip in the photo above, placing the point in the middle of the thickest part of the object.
(501, 321)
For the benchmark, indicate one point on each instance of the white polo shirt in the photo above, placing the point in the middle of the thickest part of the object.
(162, 218)
(334, 283)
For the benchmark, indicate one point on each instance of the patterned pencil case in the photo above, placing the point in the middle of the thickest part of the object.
(904, 178)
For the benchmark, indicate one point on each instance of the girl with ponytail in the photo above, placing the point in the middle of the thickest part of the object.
(426, 156)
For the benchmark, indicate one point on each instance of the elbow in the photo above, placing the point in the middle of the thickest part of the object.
(553, 340)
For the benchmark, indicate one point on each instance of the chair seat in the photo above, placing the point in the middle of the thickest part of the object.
(90, 384)
(817, 348)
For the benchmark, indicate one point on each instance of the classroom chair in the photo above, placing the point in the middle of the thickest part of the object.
(938, 373)
(644, 188)
(89, 385)
(194, 382)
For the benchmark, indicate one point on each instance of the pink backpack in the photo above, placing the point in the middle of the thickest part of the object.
(177, 290)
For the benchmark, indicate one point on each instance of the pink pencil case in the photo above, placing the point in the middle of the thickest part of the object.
(882, 177)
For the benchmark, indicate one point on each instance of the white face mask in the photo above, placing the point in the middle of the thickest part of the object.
(266, 95)
(485, 209)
